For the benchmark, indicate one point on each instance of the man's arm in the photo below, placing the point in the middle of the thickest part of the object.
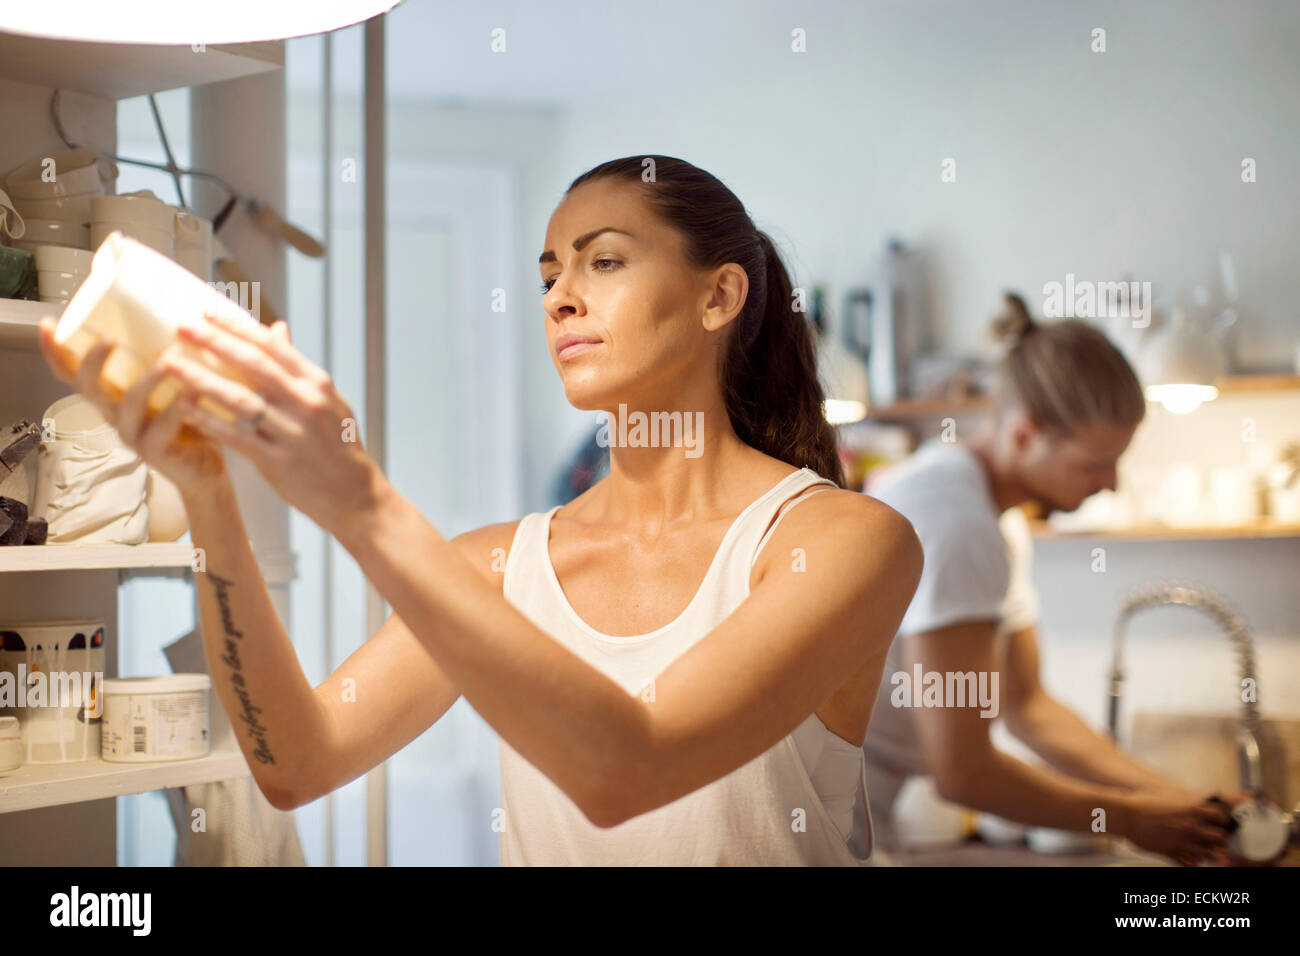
(1056, 733)
(960, 755)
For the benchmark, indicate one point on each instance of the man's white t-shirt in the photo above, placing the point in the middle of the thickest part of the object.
(978, 567)
(977, 563)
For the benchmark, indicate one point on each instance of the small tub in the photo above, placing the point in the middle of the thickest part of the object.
(155, 718)
(11, 744)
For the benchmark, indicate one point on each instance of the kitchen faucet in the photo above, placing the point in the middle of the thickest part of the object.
(1262, 830)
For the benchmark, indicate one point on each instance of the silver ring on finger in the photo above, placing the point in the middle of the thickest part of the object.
(252, 423)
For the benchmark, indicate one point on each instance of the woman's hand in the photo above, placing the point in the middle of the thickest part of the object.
(190, 460)
(292, 424)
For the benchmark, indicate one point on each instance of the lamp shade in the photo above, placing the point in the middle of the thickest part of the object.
(1180, 366)
(173, 23)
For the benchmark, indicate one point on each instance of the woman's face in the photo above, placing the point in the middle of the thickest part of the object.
(652, 317)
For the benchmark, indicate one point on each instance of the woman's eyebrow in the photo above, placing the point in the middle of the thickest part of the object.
(549, 254)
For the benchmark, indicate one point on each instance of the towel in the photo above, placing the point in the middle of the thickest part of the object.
(241, 828)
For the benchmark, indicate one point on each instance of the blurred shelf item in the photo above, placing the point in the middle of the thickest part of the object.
(121, 70)
(1043, 529)
(52, 784)
(913, 409)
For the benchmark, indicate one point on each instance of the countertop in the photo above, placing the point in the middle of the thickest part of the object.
(976, 852)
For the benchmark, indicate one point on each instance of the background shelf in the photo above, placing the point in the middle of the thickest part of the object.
(1042, 529)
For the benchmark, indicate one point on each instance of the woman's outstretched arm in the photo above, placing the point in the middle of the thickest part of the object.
(303, 742)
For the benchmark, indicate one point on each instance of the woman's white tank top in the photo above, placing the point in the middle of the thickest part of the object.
(802, 802)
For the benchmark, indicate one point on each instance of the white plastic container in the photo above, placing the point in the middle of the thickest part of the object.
(147, 719)
(61, 725)
(140, 298)
(11, 744)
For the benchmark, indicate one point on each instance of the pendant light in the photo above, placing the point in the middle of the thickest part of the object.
(1180, 365)
(184, 23)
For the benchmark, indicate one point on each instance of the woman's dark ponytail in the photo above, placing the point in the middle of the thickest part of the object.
(769, 365)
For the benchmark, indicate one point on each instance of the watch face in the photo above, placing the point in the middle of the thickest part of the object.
(1262, 831)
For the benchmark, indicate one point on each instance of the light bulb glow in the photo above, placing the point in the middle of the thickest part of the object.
(842, 411)
(1181, 399)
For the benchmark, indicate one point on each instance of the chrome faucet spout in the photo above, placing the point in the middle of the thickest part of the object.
(1182, 595)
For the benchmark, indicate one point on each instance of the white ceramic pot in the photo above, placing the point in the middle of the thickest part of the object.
(160, 240)
(63, 259)
(52, 232)
(194, 244)
(74, 208)
(73, 171)
(142, 208)
(58, 285)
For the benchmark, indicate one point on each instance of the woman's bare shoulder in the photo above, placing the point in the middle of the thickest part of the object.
(487, 548)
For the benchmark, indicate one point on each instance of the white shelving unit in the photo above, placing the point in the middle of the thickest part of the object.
(58, 580)
(54, 784)
(18, 322)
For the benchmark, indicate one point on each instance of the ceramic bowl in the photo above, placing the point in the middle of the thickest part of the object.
(75, 171)
(52, 232)
(74, 208)
(63, 259)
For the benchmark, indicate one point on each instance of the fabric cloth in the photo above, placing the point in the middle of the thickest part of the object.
(240, 826)
(767, 812)
(978, 566)
(91, 489)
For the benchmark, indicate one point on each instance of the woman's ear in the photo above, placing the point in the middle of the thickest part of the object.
(727, 293)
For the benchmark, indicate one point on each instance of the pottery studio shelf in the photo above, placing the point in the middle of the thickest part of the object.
(47, 785)
(121, 70)
(95, 557)
(18, 322)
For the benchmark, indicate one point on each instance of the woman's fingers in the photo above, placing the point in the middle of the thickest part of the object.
(158, 435)
(240, 399)
(133, 410)
(88, 380)
(254, 363)
(232, 339)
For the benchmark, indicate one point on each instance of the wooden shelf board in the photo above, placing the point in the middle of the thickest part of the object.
(912, 409)
(1042, 529)
(909, 409)
(84, 557)
(1258, 383)
(48, 785)
(120, 70)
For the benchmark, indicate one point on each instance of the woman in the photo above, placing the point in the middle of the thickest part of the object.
(639, 724)
(1066, 408)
